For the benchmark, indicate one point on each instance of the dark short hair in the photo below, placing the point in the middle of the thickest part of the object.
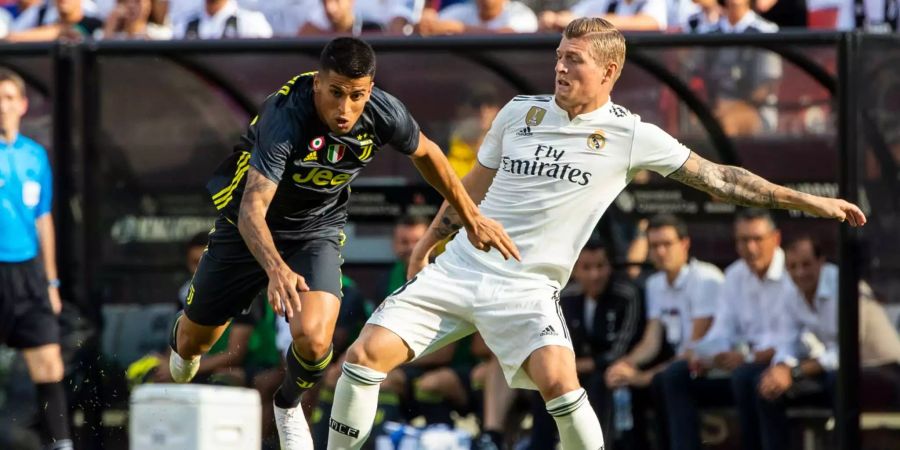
(668, 220)
(412, 220)
(347, 56)
(595, 244)
(800, 238)
(198, 240)
(748, 214)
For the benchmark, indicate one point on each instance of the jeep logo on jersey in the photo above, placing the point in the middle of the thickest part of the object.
(322, 179)
(535, 116)
(336, 152)
(597, 140)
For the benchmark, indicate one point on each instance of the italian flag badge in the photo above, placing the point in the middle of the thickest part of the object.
(336, 152)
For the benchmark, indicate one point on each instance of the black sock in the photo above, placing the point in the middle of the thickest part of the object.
(433, 407)
(301, 375)
(321, 414)
(54, 413)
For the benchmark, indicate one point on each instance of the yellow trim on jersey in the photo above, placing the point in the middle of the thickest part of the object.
(223, 197)
(190, 296)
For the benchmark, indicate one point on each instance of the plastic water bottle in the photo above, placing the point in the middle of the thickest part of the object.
(622, 419)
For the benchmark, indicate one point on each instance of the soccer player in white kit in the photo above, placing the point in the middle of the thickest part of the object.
(549, 168)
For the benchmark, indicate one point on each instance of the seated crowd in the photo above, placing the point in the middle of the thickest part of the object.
(44, 20)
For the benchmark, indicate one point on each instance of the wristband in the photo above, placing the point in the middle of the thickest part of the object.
(54, 283)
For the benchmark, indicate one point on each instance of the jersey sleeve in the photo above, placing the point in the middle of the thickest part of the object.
(275, 132)
(654, 149)
(395, 124)
(45, 203)
(491, 150)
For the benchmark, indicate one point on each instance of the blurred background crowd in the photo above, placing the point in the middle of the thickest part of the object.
(41, 20)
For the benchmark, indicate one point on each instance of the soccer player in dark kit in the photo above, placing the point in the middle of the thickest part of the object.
(282, 197)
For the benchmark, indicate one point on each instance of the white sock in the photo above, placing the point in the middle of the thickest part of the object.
(578, 425)
(182, 370)
(354, 407)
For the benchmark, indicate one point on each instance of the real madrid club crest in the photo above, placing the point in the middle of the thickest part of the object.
(596, 141)
(535, 116)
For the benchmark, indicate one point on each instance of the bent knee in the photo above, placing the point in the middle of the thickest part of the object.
(437, 381)
(47, 370)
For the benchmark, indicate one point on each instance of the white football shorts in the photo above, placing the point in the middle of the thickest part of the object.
(450, 300)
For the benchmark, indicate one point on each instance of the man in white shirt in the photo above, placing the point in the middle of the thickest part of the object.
(480, 16)
(631, 15)
(741, 342)
(804, 369)
(681, 301)
(548, 169)
(358, 16)
(222, 19)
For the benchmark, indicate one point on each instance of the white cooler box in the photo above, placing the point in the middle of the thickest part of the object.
(194, 417)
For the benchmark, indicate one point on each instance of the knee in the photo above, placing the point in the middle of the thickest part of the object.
(555, 388)
(677, 373)
(47, 370)
(436, 381)
(744, 379)
(312, 342)
(360, 354)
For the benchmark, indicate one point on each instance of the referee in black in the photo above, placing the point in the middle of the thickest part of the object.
(29, 288)
(283, 198)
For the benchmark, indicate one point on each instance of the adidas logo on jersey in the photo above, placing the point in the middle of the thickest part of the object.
(524, 132)
(549, 331)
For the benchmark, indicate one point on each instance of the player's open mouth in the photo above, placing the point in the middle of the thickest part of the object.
(563, 83)
(342, 122)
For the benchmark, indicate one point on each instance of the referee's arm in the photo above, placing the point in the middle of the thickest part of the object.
(47, 239)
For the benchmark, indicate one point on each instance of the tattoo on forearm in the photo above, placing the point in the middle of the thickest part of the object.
(252, 222)
(450, 223)
(732, 184)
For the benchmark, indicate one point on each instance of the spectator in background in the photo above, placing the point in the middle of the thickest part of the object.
(222, 19)
(705, 20)
(475, 117)
(131, 19)
(681, 301)
(784, 13)
(72, 23)
(357, 17)
(626, 15)
(741, 342)
(742, 84)
(29, 284)
(479, 16)
(407, 232)
(37, 13)
(807, 374)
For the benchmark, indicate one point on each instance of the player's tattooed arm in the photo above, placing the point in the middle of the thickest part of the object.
(285, 286)
(448, 223)
(258, 194)
(742, 187)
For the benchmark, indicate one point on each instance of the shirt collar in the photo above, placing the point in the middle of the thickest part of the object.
(681, 278)
(739, 27)
(827, 288)
(227, 11)
(590, 115)
(15, 140)
(776, 267)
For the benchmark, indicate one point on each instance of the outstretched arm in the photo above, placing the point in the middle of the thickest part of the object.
(448, 221)
(740, 186)
(484, 233)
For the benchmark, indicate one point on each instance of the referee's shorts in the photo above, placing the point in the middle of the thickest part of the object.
(26, 317)
(229, 277)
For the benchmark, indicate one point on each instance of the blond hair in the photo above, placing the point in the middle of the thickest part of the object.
(607, 43)
(14, 78)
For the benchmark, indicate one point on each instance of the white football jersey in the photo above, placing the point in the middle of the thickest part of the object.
(555, 178)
